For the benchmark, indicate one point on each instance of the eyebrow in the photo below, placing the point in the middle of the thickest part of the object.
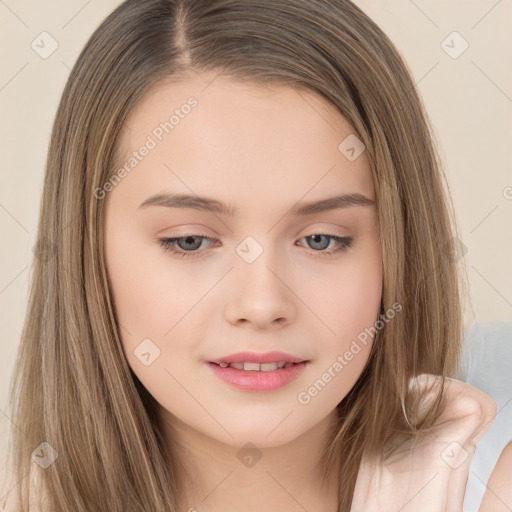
(211, 205)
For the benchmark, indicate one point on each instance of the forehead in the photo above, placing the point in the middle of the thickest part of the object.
(240, 137)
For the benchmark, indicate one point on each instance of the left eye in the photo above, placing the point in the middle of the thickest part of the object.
(173, 244)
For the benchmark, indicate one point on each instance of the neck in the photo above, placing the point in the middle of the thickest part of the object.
(218, 476)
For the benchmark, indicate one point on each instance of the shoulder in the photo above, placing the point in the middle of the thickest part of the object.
(498, 495)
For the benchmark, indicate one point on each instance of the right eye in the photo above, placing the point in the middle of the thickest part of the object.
(169, 244)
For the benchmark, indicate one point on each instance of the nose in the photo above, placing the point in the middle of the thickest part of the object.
(260, 295)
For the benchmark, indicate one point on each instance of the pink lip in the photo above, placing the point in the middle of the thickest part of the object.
(254, 357)
(258, 381)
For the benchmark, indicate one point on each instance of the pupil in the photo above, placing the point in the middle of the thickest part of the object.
(317, 240)
(189, 240)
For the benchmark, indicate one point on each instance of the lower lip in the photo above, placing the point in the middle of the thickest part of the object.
(248, 380)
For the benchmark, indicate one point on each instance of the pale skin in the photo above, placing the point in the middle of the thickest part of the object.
(261, 150)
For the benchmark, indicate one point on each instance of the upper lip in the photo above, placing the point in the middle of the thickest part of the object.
(254, 357)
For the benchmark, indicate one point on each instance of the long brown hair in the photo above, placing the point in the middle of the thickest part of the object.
(73, 388)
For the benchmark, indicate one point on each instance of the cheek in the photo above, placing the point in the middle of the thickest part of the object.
(347, 296)
(154, 303)
(359, 296)
(150, 293)
(349, 307)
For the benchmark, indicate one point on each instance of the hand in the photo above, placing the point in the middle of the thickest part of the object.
(429, 475)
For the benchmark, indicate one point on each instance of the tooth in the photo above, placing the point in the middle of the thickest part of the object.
(268, 367)
(251, 366)
(264, 367)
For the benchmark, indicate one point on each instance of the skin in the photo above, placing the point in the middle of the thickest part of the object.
(261, 150)
(429, 475)
(498, 495)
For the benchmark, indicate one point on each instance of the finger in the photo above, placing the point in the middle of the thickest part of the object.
(462, 402)
(468, 415)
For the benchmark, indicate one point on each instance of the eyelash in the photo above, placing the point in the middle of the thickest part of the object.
(169, 244)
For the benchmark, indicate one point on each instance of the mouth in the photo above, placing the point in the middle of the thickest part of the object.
(258, 377)
(258, 367)
(258, 361)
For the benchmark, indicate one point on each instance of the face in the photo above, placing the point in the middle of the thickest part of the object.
(270, 275)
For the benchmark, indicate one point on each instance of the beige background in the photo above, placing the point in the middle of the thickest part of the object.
(469, 100)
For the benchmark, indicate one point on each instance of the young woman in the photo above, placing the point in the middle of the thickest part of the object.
(248, 297)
